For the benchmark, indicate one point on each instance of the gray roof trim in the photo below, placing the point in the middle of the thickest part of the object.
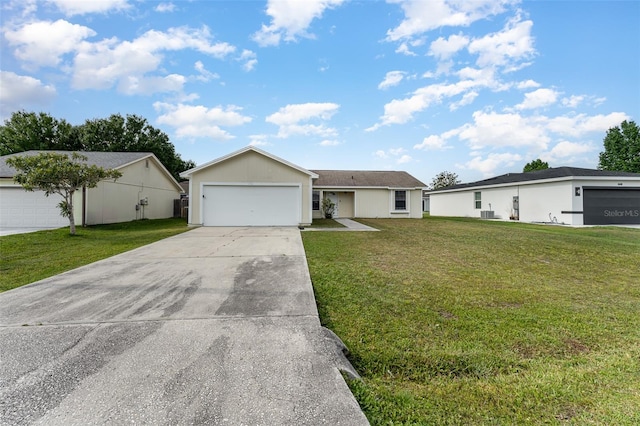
(386, 179)
(187, 174)
(558, 174)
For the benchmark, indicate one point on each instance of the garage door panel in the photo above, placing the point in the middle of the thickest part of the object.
(20, 208)
(238, 205)
(611, 206)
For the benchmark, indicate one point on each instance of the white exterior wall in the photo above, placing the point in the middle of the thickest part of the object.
(539, 201)
(378, 202)
(113, 202)
(248, 167)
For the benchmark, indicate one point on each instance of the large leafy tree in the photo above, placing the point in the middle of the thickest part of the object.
(25, 131)
(132, 134)
(444, 179)
(56, 173)
(536, 164)
(621, 148)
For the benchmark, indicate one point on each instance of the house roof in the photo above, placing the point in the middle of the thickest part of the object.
(188, 173)
(551, 173)
(365, 178)
(107, 160)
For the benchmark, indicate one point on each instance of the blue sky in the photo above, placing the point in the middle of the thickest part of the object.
(478, 88)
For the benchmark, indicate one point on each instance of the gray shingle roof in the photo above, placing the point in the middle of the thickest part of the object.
(364, 178)
(107, 160)
(551, 173)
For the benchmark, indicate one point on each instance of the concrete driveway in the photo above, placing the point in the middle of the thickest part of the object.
(213, 326)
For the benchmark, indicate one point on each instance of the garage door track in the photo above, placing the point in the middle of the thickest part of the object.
(213, 326)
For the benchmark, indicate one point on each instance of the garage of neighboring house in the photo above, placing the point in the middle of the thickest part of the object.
(249, 187)
(611, 205)
(20, 208)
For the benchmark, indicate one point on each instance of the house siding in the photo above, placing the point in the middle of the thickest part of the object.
(252, 168)
(375, 203)
(113, 202)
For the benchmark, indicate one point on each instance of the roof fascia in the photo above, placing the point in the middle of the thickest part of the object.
(188, 173)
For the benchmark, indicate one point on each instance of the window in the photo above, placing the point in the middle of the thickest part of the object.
(400, 200)
(477, 196)
(315, 203)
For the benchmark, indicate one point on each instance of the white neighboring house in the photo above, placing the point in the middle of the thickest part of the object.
(251, 187)
(568, 195)
(146, 190)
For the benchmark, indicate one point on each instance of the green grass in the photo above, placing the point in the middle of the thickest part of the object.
(26, 258)
(325, 223)
(461, 321)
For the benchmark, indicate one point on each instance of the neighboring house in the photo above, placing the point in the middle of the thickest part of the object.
(251, 187)
(425, 201)
(568, 195)
(146, 190)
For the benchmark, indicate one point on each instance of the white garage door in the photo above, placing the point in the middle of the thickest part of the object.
(20, 208)
(251, 205)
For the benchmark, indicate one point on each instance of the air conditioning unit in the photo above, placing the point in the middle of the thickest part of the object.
(487, 214)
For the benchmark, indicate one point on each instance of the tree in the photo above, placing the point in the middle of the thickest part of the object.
(537, 164)
(621, 148)
(444, 179)
(132, 134)
(56, 173)
(25, 131)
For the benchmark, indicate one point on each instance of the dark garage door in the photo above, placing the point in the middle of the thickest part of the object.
(611, 206)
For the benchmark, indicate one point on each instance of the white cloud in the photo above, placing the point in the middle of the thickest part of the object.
(566, 151)
(249, 59)
(422, 16)
(259, 140)
(288, 119)
(381, 154)
(467, 99)
(198, 121)
(204, 74)
(137, 85)
(488, 165)
(392, 78)
(404, 159)
(432, 143)
(445, 48)
(291, 19)
(573, 101)
(527, 84)
(501, 130)
(329, 142)
(82, 7)
(21, 92)
(507, 48)
(100, 65)
(538, 99)
(404, 49)
(165, 7)
(578, 125)
(44, 43)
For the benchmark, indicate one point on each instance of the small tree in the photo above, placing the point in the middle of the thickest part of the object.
(444, 179)
(621, 148)
(328, 207)
(537, 164)
(56, 173)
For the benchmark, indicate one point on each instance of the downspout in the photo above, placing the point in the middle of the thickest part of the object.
(84, 206)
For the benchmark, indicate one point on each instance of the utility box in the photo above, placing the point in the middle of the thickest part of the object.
(487, 214)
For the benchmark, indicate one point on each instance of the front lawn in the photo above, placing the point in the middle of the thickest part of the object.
(461, 321)
(25, 258)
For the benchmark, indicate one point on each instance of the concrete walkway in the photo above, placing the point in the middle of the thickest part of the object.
(213, 326)
(349, 225)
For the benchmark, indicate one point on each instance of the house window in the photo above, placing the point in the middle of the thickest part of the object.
(400, 200)
(477, 196)
(315, 203)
